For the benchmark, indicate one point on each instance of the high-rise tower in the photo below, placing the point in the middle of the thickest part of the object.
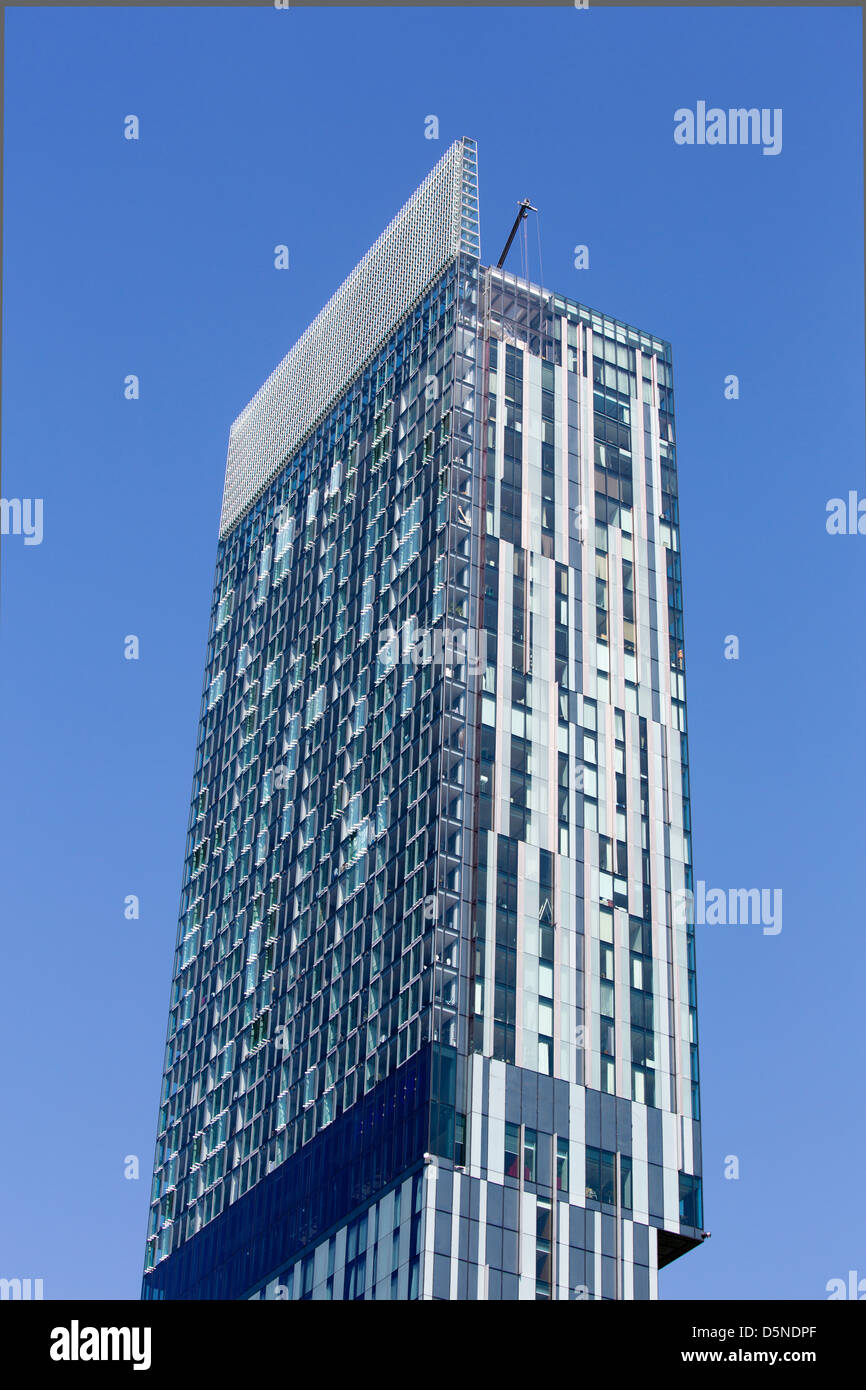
(433, 1023)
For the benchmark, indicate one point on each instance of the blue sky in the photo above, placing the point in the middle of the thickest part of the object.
(155, 257)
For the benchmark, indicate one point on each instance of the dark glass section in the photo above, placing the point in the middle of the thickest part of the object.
(382, 1136)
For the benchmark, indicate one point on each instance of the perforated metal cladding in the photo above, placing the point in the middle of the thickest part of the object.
(439, 220)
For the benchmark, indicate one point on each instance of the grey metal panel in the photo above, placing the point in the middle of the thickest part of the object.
(656, 1190)
(513, 1095)
(608, 1232)
(466, 1186)
(608, 1123)
(593, 1119)
(509, 1250)
(473, 1242)
(444, 1189)
(577, 1227)
(441, 1277)
(495, 1201)
(442, 1233)
(560, 1108)
(529, 1081)
(510, 1208)
(494, 1247)
(608, 1276)
(589, 1233)
(545, 1103)
(640, 1240)
(655, 1150)
(623, 1125)
(474, 1199)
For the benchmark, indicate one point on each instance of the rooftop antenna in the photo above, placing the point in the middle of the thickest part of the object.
(523, 208)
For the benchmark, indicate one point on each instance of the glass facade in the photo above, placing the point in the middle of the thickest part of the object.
(432, 1028)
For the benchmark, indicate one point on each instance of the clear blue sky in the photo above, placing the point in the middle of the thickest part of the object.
(261, 127)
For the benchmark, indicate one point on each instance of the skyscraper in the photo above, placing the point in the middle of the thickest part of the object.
(433, 1019)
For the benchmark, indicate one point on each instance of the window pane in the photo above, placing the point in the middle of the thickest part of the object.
(512, 1151)
(562, 1165)
(625, 1180)
(530, 1144)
